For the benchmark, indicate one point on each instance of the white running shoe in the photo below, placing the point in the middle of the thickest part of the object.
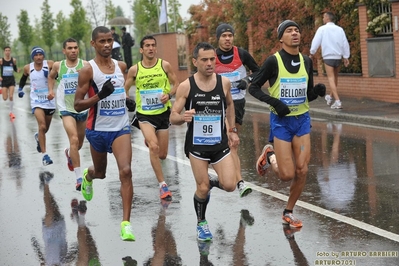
(329, 99)
(336, 105)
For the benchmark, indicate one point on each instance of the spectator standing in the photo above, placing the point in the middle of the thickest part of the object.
(127, 44)
(334, 47)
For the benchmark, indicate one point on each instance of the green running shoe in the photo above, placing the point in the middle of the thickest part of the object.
(87, 187)
(127, 232)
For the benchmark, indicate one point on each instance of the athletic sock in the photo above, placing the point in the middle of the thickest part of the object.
(238, 183)
(287, 211)
(78, 172)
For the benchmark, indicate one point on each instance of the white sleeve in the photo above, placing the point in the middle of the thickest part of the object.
(345, 46)
(316, 42)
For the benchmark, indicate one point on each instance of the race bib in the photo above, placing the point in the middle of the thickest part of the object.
(114, 104)
(70, 83)
(207, 129)
(293, 90)
(233, 77)
(151, 99)
(7, 71)
(40, 95)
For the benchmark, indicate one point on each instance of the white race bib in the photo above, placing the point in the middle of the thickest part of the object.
(114, 104)
(151, 99)
(233, 77)
(293, 90)
(207, 129)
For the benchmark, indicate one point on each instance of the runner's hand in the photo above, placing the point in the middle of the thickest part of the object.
(320, 89)
(130, 105)
(106, 90)
(243, 83)
(281, 108)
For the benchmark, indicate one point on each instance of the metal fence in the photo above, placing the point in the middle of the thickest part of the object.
(56, 56)
(386, 8)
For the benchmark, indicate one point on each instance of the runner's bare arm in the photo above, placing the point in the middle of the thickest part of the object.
(84, 80)
(130, 79)
(52, 76)
(176, 117)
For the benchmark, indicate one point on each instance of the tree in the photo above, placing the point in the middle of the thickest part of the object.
(101, 12)
(47, 26)
(37, 39)
(78, 23)
(62, 25)
(145, 13)
(265, 16)
(25, 32)
(175, 21)
(110, 11)
(5, 34)
(119, 11)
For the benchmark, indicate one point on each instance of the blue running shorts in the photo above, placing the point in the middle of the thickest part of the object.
(102, 141)
(285, 128)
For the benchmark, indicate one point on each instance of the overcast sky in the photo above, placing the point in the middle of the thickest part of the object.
(12, 8)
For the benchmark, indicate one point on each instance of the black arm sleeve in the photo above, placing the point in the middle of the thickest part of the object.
(22, 81)
(248, 60)
(311, 94)
(266, 73)
(15, 67)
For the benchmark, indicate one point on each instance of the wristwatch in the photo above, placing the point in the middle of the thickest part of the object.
(233, 129)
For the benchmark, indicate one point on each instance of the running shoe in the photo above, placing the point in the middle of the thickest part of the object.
(328, 99)
(69, 160)
(246, 218)
(262, 164)
(47, 160)
(87, 187)
(203, 232)
(164, 192)
(127, 232)
(243, 189)
(79, 184)
(336, 105)
(290, 220)
(12, 116)
(37, 142)
(203, 247)
(290, 231)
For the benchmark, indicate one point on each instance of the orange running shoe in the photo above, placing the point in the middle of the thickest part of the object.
(164, 192)
(262, 164)
(290, 219)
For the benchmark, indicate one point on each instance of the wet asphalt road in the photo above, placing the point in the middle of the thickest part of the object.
(349, 206)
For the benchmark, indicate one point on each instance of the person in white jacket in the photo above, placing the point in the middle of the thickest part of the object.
(334, 47)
